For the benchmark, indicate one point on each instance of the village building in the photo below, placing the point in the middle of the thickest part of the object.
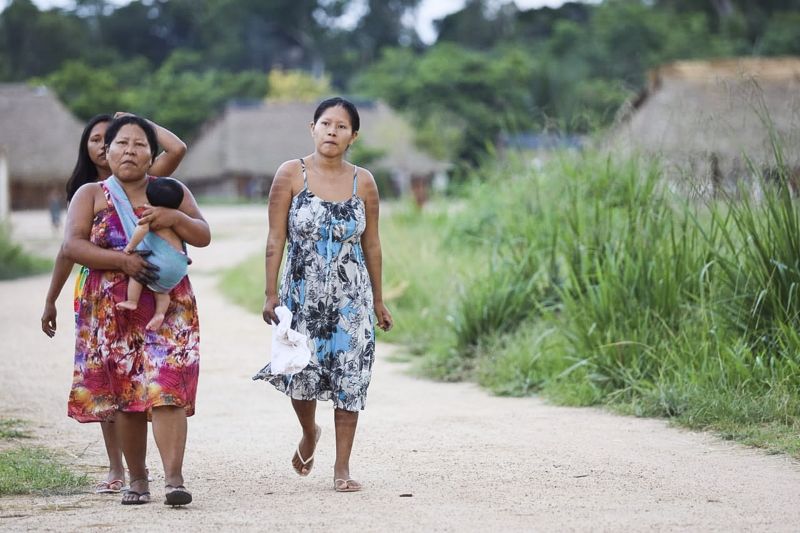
(39, 138)
(716, 124)
(237, 154)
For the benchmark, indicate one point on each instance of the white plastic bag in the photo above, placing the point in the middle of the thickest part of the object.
(290, 351)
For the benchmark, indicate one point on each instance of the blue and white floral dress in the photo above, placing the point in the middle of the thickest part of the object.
(327, 287)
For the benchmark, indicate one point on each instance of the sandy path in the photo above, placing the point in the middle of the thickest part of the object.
(470, 461)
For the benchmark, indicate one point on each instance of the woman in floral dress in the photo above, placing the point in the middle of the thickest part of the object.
(327, 208)
(92, 166)
(121, 369)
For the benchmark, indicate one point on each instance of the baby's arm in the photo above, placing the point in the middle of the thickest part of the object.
(138, 234)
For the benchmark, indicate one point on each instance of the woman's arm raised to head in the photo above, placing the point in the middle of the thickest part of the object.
(280, 199)
(174, 149)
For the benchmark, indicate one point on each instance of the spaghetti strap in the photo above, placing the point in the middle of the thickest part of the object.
(305, 178)
(355, 179)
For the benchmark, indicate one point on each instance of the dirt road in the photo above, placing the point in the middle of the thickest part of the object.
(432, 456)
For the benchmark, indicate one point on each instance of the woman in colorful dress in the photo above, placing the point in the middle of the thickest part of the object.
(327, 209)
(90, 167)
(121, 369)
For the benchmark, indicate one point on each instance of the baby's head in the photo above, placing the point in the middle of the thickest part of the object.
(164, 192)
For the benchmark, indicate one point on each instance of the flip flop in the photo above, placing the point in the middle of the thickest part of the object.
(346, 487)
(308, 464)
(109, 487)
(141, 498)
(177, 496)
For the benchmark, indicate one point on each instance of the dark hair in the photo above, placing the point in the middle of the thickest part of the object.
(164, 192)
(85, 170)
(149, 131)
(348, 106)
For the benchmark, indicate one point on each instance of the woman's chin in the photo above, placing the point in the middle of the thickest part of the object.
(129, 174)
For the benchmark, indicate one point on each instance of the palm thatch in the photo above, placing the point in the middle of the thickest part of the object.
(40, 137)
(715, 123)
(248, 142)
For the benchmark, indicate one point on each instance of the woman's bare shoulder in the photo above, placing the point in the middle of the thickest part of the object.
(289, 169)
(366, 181)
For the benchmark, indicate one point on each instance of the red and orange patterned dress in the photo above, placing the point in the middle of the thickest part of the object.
(119, 366)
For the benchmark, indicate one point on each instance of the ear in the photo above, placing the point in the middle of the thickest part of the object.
(311, 127)
(355, 136)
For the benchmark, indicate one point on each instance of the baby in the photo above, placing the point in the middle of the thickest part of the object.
(169, 252)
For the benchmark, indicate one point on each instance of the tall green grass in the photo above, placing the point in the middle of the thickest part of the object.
(15, 262)
(602, 287)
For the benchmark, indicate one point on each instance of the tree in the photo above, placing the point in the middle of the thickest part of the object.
(294, 85)
(34, 43)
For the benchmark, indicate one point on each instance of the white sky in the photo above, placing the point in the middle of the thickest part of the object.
(427, 12)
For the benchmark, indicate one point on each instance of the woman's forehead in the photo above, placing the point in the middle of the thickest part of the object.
(99, 128)
(131, 131)
(336, 113)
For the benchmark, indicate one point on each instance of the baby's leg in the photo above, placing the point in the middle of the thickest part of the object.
(162, 303)
(134, 291)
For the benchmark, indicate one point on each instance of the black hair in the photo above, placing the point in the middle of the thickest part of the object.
(85, 170)
(164, 192)
(355, 120)
(149, 131)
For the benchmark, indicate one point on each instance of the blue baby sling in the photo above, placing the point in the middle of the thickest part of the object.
(172, 264)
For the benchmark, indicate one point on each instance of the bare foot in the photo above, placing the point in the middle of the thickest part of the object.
(155, 322)
(127, 304)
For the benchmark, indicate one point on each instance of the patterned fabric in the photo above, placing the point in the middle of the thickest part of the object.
(327, 287)
(80, 281)
(118, 364)
(172, 264)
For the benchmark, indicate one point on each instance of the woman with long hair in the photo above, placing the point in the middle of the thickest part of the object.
(90, 167)
(123, 370)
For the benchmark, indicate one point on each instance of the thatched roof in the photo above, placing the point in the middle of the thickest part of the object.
(40, 135)
(695, 111)
(255, 139)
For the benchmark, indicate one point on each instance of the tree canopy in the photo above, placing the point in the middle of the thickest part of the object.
(493, 69)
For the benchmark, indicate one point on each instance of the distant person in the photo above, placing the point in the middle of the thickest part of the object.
(122, 369)
(168, 250)
(55, 204)
(92, 166)
(327, 208)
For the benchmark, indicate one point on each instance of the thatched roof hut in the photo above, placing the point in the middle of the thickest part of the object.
(40, 137)
(238, 152)
(712, 122)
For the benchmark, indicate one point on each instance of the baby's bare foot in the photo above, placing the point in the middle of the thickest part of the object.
(127, 304)
(155, 322)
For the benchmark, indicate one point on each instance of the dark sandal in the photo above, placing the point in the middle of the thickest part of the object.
(177, 496)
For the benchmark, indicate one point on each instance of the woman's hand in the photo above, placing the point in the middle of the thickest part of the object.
(159, 217)
(49, 319)
(385, 321)
(137, 267)
(270, 303)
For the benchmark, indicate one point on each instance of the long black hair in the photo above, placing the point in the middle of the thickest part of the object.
(85, 170)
